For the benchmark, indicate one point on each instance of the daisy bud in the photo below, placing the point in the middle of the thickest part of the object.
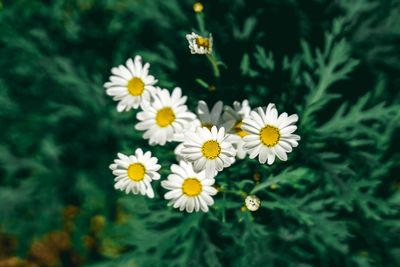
(198, 7)
(252, 202)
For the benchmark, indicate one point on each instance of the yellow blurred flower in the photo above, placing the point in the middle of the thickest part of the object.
(47, 251)
(97, 223)
(198, 7)
(70, 212)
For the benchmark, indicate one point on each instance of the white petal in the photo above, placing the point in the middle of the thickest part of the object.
(263, 155)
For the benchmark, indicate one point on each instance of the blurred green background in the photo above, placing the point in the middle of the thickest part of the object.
(335, 202)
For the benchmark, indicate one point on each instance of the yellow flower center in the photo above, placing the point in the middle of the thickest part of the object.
(269, 136)
(198, 7)
(192, 187)
(211, 149)
(136, 172)
(204, 42)
(165, 117)
(238, 129)
(207, 125)
(135, 86)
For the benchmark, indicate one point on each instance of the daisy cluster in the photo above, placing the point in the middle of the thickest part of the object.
(207, 141)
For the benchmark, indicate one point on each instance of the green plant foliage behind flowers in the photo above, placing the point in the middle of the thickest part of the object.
(334, 202)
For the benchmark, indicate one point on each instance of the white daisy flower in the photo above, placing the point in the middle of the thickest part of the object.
(252, 203)
(199, 44)
(233, 116)
(232, 120)
(165, 116)
(209, 118)
(208, 150)
(180, 137)
(189, 190)
(130, 84)
(270, 135)
(136, 172)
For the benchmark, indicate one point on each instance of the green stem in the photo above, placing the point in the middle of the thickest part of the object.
(203, 32)
(214, 64)
(224, 212)
(200, 22)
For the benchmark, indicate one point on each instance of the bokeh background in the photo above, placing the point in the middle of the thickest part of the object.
(335, 202)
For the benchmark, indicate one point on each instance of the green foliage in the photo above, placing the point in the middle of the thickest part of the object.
(335, 202)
